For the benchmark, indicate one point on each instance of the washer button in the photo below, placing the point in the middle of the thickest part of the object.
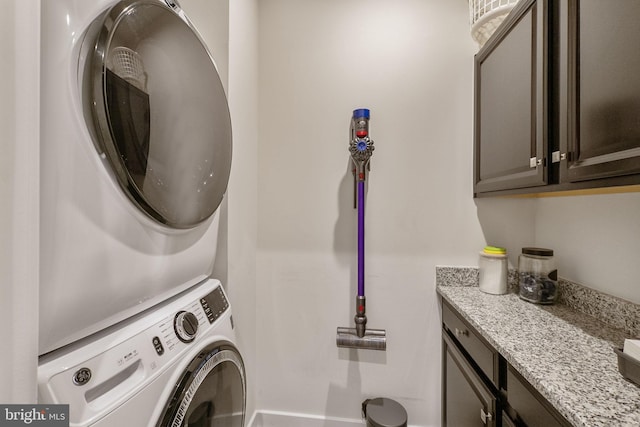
(157, 344)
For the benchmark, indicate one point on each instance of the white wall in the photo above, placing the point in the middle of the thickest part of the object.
(411, 63)
(242, 194)
(596, 240)
(19, 103)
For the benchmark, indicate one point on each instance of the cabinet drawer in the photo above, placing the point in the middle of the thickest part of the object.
(506, 421)
(482, 354)
(530, 406)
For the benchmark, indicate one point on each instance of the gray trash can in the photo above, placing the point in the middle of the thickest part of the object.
(383, 412)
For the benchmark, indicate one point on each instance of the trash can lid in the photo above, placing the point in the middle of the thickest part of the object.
(383, 412)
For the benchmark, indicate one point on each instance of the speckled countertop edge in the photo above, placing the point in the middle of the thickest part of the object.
(566, 354)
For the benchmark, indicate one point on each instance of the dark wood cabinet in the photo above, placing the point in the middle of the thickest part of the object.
(467, 400)
(480, 388)
(469, 375)
(528, 407)
(510, 101)
(557, 99)
(599, 89)
(506, 421)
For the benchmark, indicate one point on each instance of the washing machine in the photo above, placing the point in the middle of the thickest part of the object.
(135, 161)
(172, 365)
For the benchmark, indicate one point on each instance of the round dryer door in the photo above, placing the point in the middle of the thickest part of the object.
(210, 393)
(159, 111)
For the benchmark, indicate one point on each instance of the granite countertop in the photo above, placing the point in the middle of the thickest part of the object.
(565, 354)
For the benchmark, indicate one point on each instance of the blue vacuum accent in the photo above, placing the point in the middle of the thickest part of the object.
(360, 113)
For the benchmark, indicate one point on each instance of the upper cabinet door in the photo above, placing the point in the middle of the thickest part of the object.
(599, 89)
(510, 139)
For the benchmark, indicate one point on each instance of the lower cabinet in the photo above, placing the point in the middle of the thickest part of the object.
(527, 405)
(480, 388)
(467, 400)
(506, 421)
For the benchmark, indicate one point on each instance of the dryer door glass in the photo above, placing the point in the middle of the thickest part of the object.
(210, 393)
(160, 113)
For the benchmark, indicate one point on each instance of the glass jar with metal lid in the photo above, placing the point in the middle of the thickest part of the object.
(538, 276)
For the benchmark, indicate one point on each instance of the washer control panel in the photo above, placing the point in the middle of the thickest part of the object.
(183, 327)
(214, 304)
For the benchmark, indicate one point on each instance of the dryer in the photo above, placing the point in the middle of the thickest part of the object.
(174, 365)
(135, 160)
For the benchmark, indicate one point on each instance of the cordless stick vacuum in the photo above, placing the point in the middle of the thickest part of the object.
(361, 148)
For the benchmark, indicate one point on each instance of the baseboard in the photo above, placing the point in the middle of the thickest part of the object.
(289, 419)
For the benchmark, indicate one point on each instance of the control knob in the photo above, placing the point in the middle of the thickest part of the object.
(186, 326)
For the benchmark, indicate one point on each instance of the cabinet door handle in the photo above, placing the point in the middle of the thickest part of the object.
(485, 416)
(461, 332)
(534, 162)
(557, 156)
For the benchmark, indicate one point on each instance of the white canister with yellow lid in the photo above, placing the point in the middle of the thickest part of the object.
(493, 270)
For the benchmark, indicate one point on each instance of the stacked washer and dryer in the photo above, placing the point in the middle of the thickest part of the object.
(135, 160)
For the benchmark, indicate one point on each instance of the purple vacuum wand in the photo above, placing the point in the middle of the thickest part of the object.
(361, 238)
